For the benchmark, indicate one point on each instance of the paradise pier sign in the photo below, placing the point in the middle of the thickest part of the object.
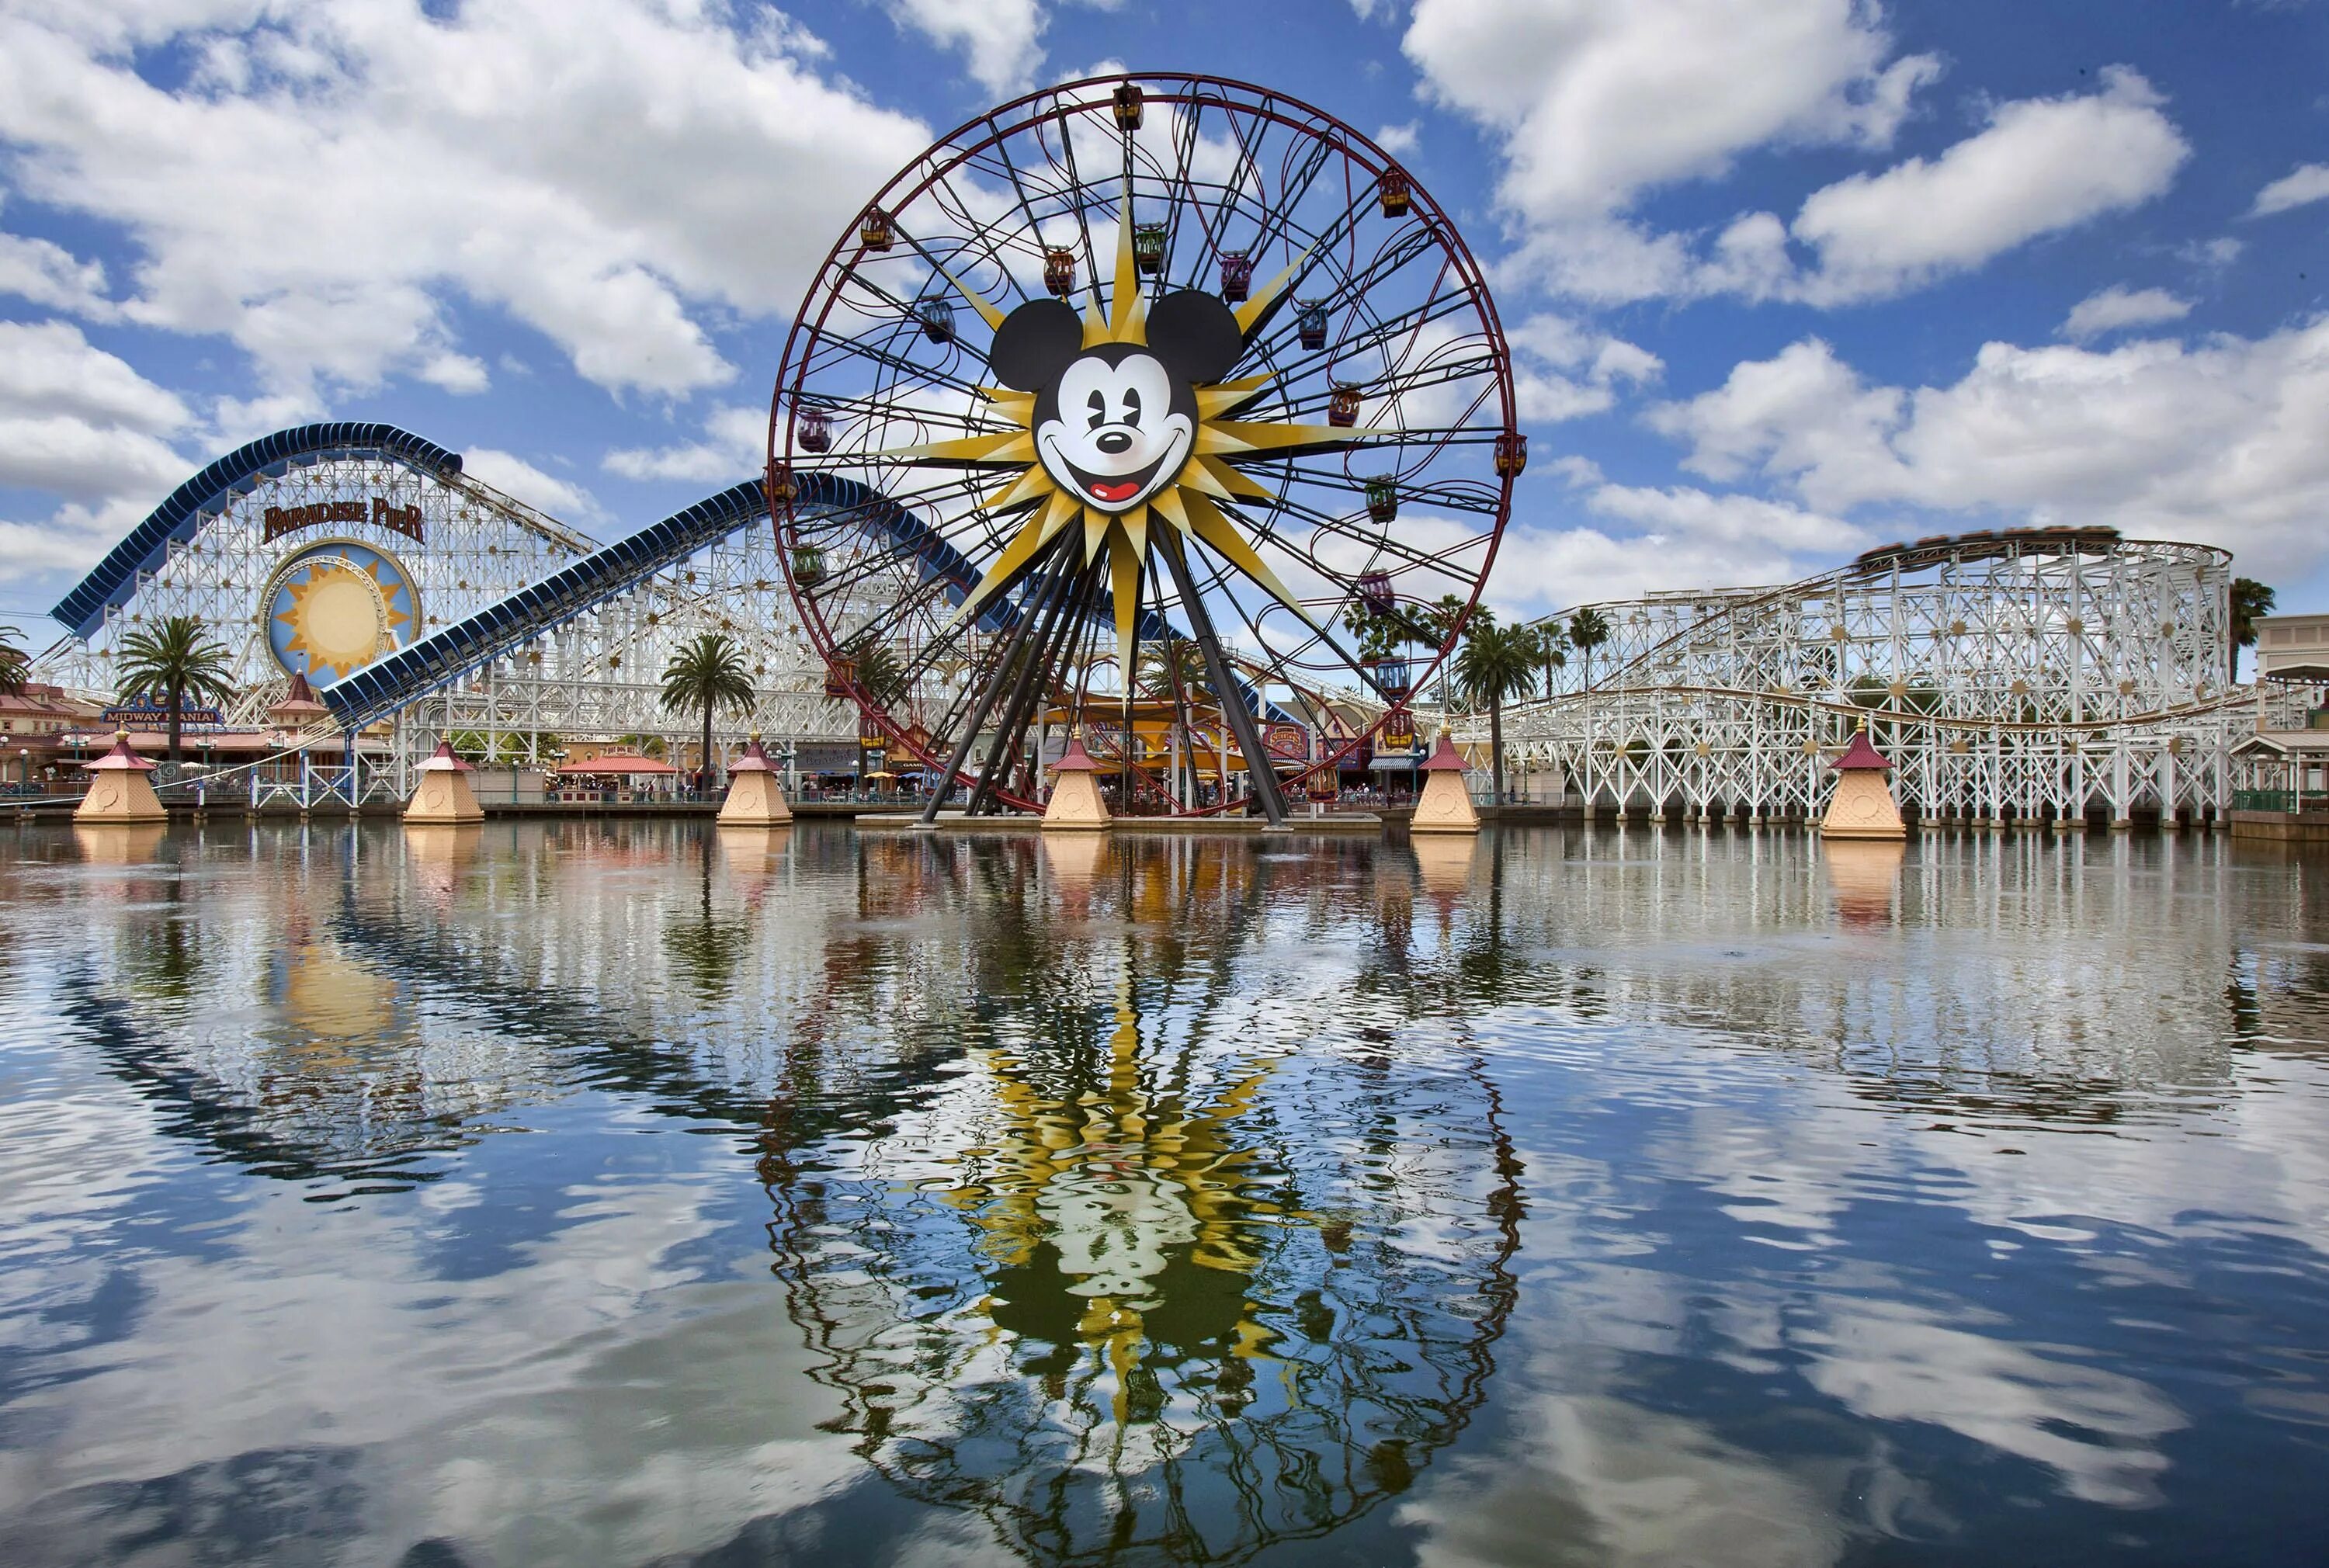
(380, 513)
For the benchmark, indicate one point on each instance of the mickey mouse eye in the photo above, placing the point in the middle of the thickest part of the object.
(1098, 404)
(1131, 407)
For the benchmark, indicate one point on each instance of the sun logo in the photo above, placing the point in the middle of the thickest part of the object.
(1121, 422)
(340, 617)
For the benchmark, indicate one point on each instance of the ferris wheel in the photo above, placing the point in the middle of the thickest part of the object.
(1168, 412)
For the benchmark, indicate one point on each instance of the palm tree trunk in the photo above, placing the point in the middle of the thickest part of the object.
(177, 718)
(1496, 744)
(704, 757)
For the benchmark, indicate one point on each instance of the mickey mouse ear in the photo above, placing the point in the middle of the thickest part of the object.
(1035, 344)
(1196, 335)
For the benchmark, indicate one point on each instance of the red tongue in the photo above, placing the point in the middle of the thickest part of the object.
(1115, 492)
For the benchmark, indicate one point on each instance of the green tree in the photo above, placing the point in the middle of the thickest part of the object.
(176, 658)
(2250, 598)
(1589, 628)
(880, 674)
(15, 663)
(1551, 651)
(1495, 664)
(708, 673)
(1172, 666)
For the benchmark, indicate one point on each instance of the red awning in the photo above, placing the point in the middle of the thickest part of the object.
(616, 764)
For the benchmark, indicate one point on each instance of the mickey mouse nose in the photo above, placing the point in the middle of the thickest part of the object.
(1114, 442)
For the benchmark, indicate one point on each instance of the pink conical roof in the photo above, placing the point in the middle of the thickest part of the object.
(444, 761)
(121, 758)
(1075, 759)
(752, 759)
(1444, 757)
(1860, 753)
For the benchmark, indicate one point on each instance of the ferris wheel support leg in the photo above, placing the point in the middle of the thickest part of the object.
(1067, 587)
(1262, 776)
(971, 725)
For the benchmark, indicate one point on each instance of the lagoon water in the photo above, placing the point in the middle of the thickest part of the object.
(631, 1193)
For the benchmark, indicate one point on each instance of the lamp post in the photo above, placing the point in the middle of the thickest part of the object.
(24, 766)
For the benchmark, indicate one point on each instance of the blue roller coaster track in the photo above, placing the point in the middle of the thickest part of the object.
(147, 547)
(451, 652)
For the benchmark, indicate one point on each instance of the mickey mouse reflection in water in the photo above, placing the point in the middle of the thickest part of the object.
(1114, 423)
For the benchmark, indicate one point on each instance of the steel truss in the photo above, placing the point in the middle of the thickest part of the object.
(2017, 677)
(593, 676)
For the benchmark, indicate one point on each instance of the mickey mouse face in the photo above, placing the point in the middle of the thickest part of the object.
(1116, 431)
(1114, 423)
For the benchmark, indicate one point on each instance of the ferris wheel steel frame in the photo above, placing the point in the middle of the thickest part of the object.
(2010, 677)
(999, 257)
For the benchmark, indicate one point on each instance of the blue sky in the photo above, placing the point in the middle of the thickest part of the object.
(1785, 280)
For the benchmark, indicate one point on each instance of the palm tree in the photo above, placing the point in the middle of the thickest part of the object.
(2250, 598)
(1588, 630)
(708, 673)
(880, 675)
(1174, 669)
(1495, 662)
(176, 658)
(15, 664)
(1551, 650)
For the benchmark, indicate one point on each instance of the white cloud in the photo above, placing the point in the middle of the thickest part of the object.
(2109, 310)
(456, 374)
(600, 169)
(77, 422)
(998, 38)
(1599, 99)
(1645, 538)
(81, 424)
(50, 368)
(70, 541)
(2041, 165)
(1400, 141)
(1566, 369)
(735, 446)
(513, 476)
(2210, 255)
(2225, 442)
(48, 274)
(2305, 184)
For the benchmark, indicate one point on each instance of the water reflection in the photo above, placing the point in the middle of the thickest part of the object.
(1143, 1278)
(1609, 1198)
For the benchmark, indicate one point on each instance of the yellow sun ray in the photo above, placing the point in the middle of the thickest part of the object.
(987, 311)
(1124, 562)
(1251, 310)
(1223, 396)
(1184, 505)
(1031, 486)
(995, 447)
(1211, 476)
(1037, 532)
(1284, 437)
(1206, 521)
